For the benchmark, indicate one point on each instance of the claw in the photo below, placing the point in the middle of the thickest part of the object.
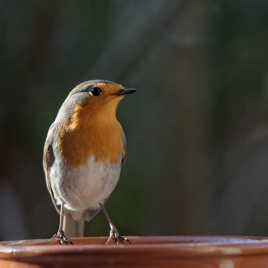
(116, 237)
(63, 239)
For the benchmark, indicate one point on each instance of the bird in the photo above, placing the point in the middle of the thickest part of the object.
(84, 151)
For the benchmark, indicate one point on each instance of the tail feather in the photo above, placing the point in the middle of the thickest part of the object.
(73, 228)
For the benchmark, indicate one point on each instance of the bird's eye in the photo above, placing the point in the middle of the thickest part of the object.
(96, 91)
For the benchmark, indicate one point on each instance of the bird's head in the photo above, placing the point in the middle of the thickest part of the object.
(101, 92)
(97, 98)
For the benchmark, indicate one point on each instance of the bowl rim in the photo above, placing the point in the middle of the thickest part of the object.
(161, 247)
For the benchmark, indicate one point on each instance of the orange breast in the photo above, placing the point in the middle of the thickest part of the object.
(91, 133)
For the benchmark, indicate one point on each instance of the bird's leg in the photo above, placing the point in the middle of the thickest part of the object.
(63, 239)
(114, 234)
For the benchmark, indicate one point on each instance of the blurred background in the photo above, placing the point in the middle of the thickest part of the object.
(197, 127)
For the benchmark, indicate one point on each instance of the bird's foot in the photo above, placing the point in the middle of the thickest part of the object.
(62, 238)
(116, 237)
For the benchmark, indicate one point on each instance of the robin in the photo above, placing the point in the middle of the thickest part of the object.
(84, 151)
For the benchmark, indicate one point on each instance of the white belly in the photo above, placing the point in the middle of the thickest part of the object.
(84, 187)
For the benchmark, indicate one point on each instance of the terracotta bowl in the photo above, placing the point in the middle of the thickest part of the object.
(150, 251)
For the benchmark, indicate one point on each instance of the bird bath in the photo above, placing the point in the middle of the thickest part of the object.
(145, 251)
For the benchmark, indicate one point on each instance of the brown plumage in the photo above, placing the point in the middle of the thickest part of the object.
(84, 135)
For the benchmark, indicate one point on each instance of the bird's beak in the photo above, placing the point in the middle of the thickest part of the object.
(126, 91)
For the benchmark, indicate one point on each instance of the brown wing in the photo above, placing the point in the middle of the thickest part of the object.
(124, 158)
(48, 160)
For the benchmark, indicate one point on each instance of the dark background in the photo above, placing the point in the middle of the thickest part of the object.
(197, 127)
